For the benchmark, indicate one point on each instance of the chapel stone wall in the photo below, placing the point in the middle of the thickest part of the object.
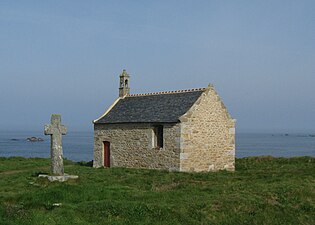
(131, 145)
(207, 136)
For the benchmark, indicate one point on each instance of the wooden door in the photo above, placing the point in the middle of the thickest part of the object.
(106, 154)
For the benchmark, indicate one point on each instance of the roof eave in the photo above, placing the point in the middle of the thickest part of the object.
(144, 122)
(108, 110)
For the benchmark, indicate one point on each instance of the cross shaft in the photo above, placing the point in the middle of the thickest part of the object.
(56, 130)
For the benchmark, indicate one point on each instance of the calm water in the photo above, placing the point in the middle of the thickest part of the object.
(78, 146)
(278, 145)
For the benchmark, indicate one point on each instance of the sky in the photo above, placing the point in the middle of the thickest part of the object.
(65, 57)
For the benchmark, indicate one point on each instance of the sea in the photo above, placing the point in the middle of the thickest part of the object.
(78, 146)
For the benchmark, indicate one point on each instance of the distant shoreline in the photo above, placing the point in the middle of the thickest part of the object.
(78, 146)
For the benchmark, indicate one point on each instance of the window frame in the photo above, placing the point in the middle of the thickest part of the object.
(158, 136)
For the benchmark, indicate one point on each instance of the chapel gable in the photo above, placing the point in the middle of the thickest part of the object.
(182, 130)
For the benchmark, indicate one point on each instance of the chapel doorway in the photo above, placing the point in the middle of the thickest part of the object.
(106, 154)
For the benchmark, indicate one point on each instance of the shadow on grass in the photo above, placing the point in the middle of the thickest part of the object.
(36, 174)
(87, 164)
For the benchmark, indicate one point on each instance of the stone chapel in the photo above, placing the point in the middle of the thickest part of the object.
(183, 130)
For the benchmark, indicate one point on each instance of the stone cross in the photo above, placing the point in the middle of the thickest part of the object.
(56, 130)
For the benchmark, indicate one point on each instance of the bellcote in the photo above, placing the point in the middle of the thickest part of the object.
(124, 88)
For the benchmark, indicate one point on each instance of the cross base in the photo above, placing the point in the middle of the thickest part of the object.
(61, 178)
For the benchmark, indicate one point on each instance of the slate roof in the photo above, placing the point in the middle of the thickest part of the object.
(162, 107)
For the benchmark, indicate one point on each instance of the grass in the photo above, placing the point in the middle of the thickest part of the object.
(263, 190)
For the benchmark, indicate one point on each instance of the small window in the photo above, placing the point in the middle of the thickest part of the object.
(158, 136)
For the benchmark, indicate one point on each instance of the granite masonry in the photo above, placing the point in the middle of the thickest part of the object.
(184, 130)
(56, 130)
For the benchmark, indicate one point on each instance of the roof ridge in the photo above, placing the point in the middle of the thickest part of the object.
(167, 92)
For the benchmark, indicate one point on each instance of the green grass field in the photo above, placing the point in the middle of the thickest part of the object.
(263, 190)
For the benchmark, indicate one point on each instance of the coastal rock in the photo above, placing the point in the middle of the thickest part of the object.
(34, 139)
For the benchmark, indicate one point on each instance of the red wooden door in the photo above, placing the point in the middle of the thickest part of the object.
(106, 154)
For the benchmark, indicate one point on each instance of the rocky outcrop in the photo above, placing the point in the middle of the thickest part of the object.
(34, 139)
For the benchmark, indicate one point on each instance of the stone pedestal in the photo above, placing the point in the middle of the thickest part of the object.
(61, 178)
